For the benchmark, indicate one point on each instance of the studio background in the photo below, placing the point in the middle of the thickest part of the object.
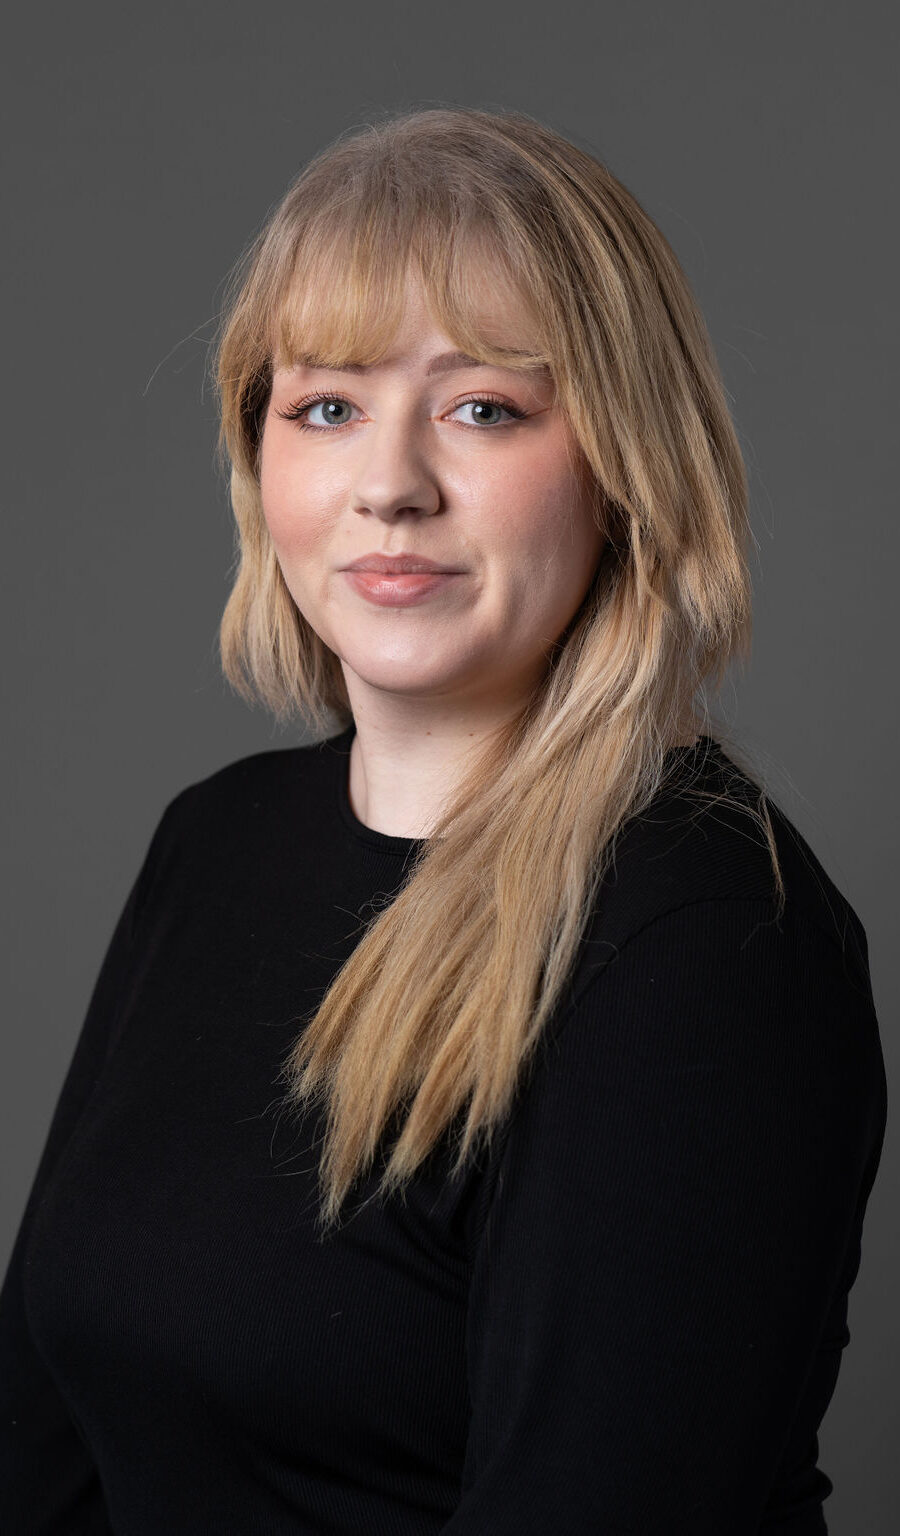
(142, 149)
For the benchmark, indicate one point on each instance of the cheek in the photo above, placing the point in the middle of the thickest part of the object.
(551, 533)
(288, 504)
(274, 488)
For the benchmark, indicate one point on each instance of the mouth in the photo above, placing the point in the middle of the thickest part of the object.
(400, 589)
(401, 565)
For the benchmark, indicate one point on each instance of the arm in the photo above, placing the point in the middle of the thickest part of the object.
(48, 1481)
(675, 1212)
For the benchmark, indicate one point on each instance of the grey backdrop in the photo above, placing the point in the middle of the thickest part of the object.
(143, 147)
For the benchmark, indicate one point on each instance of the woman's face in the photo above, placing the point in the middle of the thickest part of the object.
(412, 456)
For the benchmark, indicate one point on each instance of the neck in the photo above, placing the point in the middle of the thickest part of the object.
(404, 769)
(408, 756)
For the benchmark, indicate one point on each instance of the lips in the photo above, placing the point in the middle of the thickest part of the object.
(401, 565)
(401, 589)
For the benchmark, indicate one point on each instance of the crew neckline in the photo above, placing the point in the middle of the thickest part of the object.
(386, 842)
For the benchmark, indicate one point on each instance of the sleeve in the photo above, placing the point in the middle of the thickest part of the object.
(675, 1216)
(48, 1482)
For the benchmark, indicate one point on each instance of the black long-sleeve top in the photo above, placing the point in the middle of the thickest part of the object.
(627, 1317)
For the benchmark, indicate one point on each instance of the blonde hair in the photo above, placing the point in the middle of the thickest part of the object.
(440, 1006)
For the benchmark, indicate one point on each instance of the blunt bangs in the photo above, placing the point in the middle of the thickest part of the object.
(343, 300)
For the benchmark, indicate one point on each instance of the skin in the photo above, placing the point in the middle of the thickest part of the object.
(411, 467)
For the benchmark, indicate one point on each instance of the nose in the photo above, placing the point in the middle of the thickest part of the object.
(393, 474)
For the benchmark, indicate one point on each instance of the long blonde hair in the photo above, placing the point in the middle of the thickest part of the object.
(441, 1004)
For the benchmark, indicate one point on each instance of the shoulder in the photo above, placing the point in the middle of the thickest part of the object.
(242, 814)
(702, 850)
(698, 992)
(276, 780)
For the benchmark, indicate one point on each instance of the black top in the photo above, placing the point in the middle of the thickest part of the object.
(628, 1316)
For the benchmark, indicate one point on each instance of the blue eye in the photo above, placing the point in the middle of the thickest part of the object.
(329, 406)
(491, 403)
(299, 411)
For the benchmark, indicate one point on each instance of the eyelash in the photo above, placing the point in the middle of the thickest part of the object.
(295, 412)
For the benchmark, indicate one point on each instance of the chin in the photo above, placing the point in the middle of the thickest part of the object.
(401, 676)
(402, 682)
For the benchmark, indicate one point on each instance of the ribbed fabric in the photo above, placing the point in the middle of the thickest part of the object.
(628, 1317)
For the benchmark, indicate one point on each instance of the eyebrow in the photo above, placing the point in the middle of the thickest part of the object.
(445, 362)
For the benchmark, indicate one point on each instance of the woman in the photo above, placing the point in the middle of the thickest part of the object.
(475, 1115)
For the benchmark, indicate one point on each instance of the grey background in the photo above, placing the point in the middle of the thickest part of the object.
(143, 147)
